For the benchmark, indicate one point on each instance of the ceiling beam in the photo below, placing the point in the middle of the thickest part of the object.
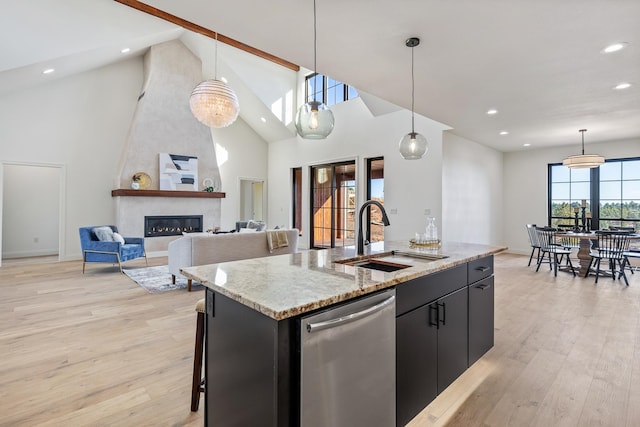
(206, 32)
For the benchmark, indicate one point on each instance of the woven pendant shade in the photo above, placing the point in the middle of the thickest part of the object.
(214, 104)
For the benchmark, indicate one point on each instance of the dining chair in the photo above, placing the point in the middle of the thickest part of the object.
(624, 229)
(634, 254)
(533, 240)
(569, 242)
(549, 245)
(612, 247)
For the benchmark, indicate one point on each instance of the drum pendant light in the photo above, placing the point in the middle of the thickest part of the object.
(413, 145)
(581, 161)
(213, 102)
(314, 120)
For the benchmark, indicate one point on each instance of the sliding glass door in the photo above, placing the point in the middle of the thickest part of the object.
(333, 205)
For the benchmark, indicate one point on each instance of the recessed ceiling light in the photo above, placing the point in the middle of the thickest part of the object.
(263, 120)
(492, 111)
(125, 50)
(526, 145)
(615, 47)
(504, 132)
(48, 71)
(624, 85)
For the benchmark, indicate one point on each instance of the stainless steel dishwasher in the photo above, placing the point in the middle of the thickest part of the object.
(348, 364)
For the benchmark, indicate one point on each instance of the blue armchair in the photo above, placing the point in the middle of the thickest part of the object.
(115, 252)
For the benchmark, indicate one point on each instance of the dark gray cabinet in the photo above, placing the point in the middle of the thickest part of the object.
(451, 314)
(431, 338)
(416, 363)
(248, 376)
(444, 324)
(481, 307)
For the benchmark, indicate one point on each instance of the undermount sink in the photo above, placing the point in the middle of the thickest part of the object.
(375, 264)
(389, 261)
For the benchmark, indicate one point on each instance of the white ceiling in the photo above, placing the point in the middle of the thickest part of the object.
(538, 62)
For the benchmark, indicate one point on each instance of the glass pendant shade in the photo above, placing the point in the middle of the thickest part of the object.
(214, 103)
(413, 146)
(314, 120)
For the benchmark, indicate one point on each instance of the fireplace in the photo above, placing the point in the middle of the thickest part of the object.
(155, 226)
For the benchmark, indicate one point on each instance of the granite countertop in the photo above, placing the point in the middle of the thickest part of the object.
(284, 286)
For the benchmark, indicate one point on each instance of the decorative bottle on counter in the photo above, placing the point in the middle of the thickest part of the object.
(432, 230)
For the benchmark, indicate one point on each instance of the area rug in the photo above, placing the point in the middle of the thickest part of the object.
(158, 279)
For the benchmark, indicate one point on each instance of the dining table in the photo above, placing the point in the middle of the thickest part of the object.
(585, 247)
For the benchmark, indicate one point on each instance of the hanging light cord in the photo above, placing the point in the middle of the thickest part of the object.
(582, 131)
(412, 94)
(315, 49)
(215, 63)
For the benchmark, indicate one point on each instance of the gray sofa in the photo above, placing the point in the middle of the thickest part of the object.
(204, 248)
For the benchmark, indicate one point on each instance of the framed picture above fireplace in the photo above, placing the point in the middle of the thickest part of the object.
(178, 172)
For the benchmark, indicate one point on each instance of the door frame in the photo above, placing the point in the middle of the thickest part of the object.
(263, 182)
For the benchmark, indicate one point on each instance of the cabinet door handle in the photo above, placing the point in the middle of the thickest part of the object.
(431, 322)
(483, 268)
(444, 312)
(483, 286)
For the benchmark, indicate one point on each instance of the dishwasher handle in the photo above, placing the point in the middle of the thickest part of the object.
(314, 327)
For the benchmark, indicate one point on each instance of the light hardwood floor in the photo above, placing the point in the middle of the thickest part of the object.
(97, 350)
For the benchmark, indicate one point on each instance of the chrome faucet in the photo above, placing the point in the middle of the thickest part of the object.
(385, 220)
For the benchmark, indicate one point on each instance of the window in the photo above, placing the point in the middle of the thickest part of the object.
(620, 194)
(327, 90)
(296, 209)
(567, 189)
(612, 192)
(375, 191)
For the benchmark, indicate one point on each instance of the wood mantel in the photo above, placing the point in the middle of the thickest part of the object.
(167, 193)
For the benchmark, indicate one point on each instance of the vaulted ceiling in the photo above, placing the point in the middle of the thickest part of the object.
(539, 63)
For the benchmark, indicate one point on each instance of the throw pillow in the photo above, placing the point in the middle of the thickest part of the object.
(104, 234)
(117, 237)
(248, 230)
(257, 225)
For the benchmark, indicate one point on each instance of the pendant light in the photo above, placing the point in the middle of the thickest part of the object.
(213, 102)
(314, 120)
(581, 161)
(413, 145)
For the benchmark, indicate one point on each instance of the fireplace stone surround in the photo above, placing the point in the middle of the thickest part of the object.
(163, 123)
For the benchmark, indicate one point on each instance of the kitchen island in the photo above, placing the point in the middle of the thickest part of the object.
(254, 311)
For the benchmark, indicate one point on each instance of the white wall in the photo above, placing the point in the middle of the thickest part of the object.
(410, 186)
(241, 154)
(472, 177)
(80, 122)
(525, 185)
